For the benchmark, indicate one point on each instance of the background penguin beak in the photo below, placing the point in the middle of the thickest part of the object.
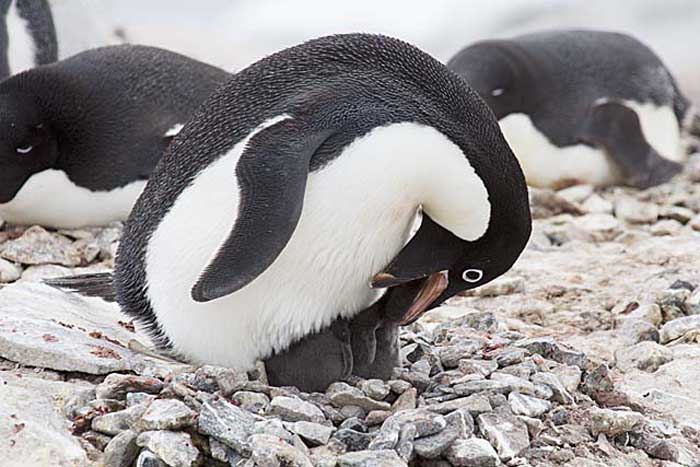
(432, 287)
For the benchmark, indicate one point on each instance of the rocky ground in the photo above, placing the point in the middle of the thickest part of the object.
(584, 355)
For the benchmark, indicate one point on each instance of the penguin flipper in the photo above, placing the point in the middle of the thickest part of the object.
(617, 129)
(271, 173)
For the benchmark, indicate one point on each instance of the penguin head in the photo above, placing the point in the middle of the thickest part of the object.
(27, 144)
(497, 71)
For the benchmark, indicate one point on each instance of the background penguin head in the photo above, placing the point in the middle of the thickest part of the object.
(493, 69)
(27, 145)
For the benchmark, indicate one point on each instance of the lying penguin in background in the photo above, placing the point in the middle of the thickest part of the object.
(27, 36)
(297, 182)
(581, 106)
(79, 137)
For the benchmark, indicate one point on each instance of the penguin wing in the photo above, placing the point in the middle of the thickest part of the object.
(616, 129)
(271, 174)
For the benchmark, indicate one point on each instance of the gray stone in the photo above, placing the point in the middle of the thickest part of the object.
(378, 458)
(253, 402)
(597, 205)
(9, 272)
(406, 401)
(514, 383)
(357, 441)
(473, 452)
(614, 422)
(679, 327)
(484, 385)
(32, 422)
(175, 448)
(270, 451)
(666, 227)
(480, 367)
(122, 450)
(167, 414)
(650, 312)
(293, 409)
(553, 382)
(433, 446)
(148, 459)
(226, 422)
(37, 246)
(552, 350)
(404, 447)
(45, 344)
(342, 394)
(645, 356)
(399, 386)
(635, 212)
(115, 422)
(375, 389)
(504, 285)
(522, 404)
(376, 417)
(426, 422)
(576, 193)
(116, 386)
(450, 356)
(223, 453)
(638, 330)
(595, 228)
(315, 433)
(505, 432)
(570, 376)
(475, 404)
(134, 398)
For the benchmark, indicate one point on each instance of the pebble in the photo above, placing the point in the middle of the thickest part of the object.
(226, 422)
(577, 193)
(174, 448)
(473, 452)
(505, 432)
(595, 204)
(433, 446)
(450, 356)
(315, 433)
(522, 404)
(116, 386)
(167, 414)
(678, 327)
(115, 422)
(426, 422)
(293, 409)
(635, 212)
(552, 350)
(37, 246)
(614, 422)
(553, 382)
(148, 459)
(342, 394)
(638, 330)
(375, 389)
(475, 404)
(645, 356)
(666, 227)
(122, 450)
(407, 400)
(9, 272)
(485, 385)
(270, 451)
(358, 441)
(374, 458)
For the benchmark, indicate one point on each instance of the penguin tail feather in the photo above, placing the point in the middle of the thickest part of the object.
(99, 285)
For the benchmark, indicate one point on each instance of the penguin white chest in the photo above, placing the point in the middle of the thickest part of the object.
(356, 216)
(51, 199)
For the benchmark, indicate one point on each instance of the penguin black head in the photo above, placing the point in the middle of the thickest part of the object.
(494, 69)
(27, 145)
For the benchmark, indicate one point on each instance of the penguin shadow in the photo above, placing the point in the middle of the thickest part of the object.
(366, 346)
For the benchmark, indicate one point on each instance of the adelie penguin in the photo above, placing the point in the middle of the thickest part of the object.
(286, 204)
(581, 106)
(79, 137)
(27, 36)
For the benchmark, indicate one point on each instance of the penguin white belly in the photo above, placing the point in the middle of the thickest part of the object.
(357, 214)
(21, 53)
(51, 199)
(547, 165)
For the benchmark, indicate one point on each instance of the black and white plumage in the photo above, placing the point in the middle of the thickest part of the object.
(581, 106)
(298, 181)
(79, 137)
(27, 36)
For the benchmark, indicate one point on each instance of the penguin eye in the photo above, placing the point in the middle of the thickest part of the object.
(497, 92)
(24, 149)
(472, 275)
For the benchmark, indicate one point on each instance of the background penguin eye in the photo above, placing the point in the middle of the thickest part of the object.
(472, 275)
(497, 92)
(24, 149)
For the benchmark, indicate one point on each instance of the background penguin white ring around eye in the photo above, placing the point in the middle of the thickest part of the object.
(468, 273)
(26, 150)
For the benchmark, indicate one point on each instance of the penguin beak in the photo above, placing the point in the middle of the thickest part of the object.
(433, 286)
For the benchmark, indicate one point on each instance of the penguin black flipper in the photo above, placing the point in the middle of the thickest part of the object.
(271, 173)
(98, 285)
(617, 129)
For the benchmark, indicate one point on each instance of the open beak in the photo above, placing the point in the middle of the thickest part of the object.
(432, 288)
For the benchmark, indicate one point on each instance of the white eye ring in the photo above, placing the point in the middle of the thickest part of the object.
(26, 150)
(497, 92)
(472, 275)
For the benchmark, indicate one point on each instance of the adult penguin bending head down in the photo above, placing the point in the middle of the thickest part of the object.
(581, 106)
(297, 182)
